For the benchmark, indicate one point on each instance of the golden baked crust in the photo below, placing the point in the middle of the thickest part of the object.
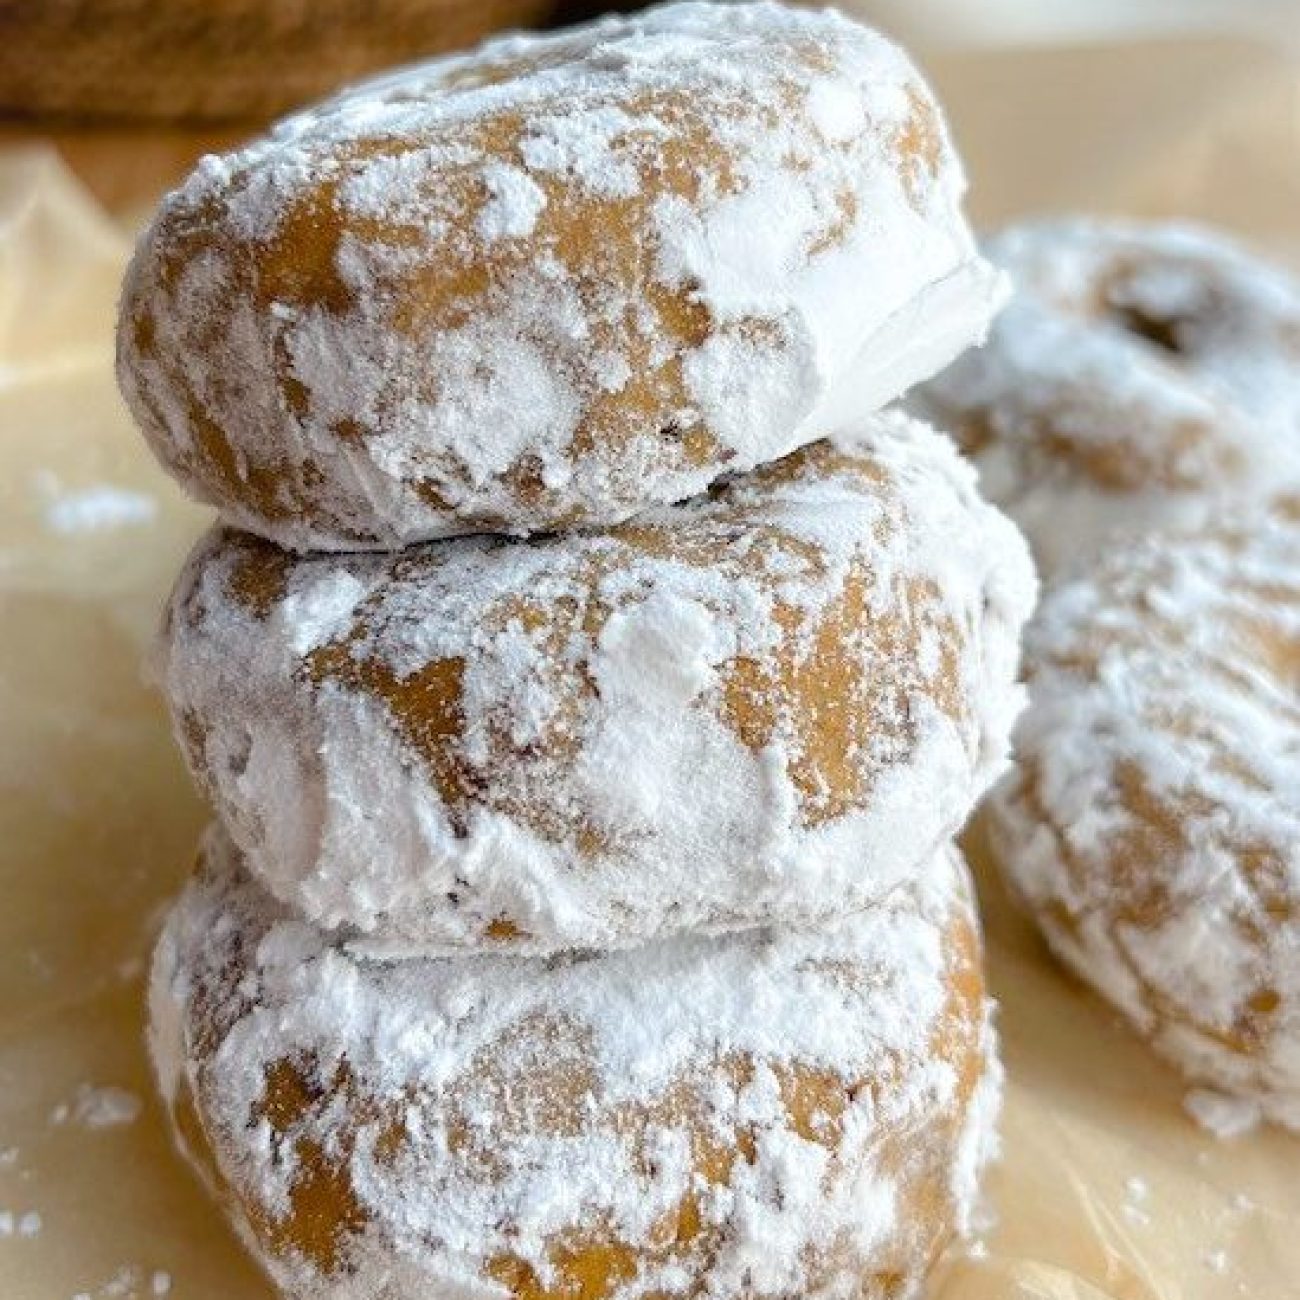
(766, 704)
(770, 1115)
(547, 283)
(1151, 823)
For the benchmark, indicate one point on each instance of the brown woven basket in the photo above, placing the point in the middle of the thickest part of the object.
(209, 60)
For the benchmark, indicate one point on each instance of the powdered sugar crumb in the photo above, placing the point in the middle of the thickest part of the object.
(130, 1282)
(1217, 1261)
(1225, 1116)
(15, 1223)
(93, 509)
(98, 1108)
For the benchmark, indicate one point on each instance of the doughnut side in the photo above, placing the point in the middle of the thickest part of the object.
(1151, 823)
(1144, 375)
(780, 1114)
(768, 704)
(553, 282)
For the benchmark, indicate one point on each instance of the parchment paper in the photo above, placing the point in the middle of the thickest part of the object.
(1107, 1191)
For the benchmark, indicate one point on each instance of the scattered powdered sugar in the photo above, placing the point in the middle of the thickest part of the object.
(772, 703)
(98, 1108)
(20, 1223)
(131, 1282)
(1217, 1261)
(1225, 1116)
(1142, 376)
(1150, 822)
(480, 1114)
(561, 279)
(515, 204)
(92, 509)
(1136, 1195)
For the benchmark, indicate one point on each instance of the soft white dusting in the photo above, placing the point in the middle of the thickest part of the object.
(1225, 1116)
(633, 727)
(1217, 1261)
(513, 209)
(98, 509)
(1136, 1193)
(98, 1108)
(130, 1282)
(1151, 823)
(481, 1107)
(1143, 376)
(752, 213)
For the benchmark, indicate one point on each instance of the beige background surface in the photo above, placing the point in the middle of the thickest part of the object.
(1106, 1192)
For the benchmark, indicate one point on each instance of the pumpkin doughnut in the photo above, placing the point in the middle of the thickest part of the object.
(770, 1115)
(1143, 376)
(554, 281)
(771, 703)
(1152, 823)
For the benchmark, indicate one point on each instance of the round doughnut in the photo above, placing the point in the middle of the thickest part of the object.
(1143, 376)
(768, 1115)
(554, 281)
(771, 703)
(1152, 823)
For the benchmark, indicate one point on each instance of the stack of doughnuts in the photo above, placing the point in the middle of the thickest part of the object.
(1137, 411)
(588, 683)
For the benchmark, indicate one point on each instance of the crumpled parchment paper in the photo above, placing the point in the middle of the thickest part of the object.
(1107, 1190)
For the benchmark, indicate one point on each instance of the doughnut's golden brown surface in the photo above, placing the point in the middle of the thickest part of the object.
(846, 1161)
(595, 739)
(1151, 822)
(548, 283)
(1143, 376)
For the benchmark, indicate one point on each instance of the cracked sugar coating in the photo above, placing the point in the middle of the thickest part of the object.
(779, 1114)
(1142, 376)
(1152, 823)
(552, 282)
(771, 703)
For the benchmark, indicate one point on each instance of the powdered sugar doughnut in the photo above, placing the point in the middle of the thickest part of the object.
(1143, 376)
(554, 281)
(1153, 820)
(774, 1114)
(773, 702)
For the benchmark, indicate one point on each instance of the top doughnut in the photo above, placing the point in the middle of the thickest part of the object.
(1145, 375)
(553, 281)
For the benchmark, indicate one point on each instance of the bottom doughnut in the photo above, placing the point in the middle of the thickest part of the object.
(771, 1114)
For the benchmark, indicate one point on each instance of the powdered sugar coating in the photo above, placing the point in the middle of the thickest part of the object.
(771, 703)
(1143, 376)
(1152, 822)
(554, 281)
(777, 1114)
